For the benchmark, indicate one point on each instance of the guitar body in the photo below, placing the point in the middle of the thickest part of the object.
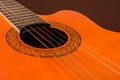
(96, 58)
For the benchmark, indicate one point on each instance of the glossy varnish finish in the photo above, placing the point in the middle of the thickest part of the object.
(97, 58)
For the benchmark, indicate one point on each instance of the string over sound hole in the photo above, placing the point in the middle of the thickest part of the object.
(43, 37)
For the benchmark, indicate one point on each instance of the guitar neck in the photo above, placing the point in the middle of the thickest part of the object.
(19, 15)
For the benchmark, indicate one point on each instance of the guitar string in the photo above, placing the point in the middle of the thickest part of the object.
(83, 56)
(66, 56)
(53, 58)
(60, 58)
(75, 56)
(69, 59)
(56, 55)
(102, 61)
(89, 67)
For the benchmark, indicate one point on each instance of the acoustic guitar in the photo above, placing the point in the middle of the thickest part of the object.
(65, 45)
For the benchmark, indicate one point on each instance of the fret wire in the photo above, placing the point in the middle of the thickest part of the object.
(15, 5)
(21, 10)
(26, 15)
(18, 9)
(10, 2)
(30, 21)
(25, 20)
(20, 20)
(22, 17)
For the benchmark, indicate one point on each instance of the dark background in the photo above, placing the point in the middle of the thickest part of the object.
(105, 13)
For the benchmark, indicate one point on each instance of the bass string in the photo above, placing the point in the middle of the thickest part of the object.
(31, 33)
(49, 36)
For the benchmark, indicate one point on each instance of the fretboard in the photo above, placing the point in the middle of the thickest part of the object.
(18, 15)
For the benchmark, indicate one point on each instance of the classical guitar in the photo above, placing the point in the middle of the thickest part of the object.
(65, 45)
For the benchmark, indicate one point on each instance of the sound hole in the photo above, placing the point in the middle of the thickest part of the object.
(43, 37)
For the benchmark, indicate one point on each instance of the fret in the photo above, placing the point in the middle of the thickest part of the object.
(20, 26)
(23, 12)
(18, 9)
(20, 17)
(18, 14)
(25, 20)
(8, 1)
(15, 5)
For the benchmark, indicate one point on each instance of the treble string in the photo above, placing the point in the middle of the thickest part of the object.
(46, 46)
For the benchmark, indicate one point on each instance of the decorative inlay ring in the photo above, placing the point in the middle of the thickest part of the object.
(72, 44)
